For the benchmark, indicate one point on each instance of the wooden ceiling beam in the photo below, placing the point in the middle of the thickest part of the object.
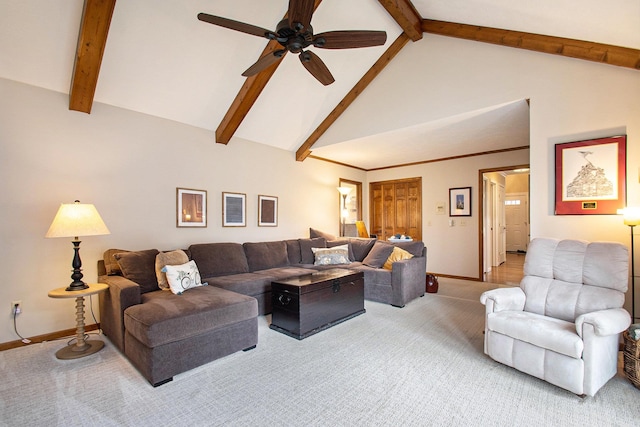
(92, 40)
(305, 149)
(246, 97)
(589, 51)
(248, 94)
(406, 15)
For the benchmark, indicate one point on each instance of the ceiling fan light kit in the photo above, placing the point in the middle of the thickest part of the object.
(295, 34)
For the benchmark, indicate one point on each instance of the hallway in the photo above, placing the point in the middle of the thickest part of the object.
(509, 272)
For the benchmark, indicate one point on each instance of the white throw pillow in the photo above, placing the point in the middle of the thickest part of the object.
(331, 256)
(182, 277)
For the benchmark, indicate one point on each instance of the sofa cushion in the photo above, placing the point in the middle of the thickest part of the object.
(285, 272)
(361, 248)
(182, 277)
(139, 267)
(378, 254)
(397, 255)
(331, 256)
(263, 255)
(110, 263)
(168, 258)
(306, 255)
(251, 284)
(341, 242)
(313, 233)
(414, 248)
(164, 317)
(219, 259)
(293, 251)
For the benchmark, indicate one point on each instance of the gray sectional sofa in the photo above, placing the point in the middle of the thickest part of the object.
(163, 334)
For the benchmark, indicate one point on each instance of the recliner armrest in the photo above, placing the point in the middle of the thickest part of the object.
(605, 322)
(502, 299)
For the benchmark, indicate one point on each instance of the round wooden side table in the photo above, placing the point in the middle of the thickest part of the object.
(81, 347)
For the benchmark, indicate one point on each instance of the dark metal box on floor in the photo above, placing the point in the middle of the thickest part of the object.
(308, 304)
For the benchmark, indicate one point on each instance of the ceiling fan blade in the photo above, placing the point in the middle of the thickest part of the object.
(300, 12)
(316, 67)
(264, 63)
(349, 39)
(235, 25)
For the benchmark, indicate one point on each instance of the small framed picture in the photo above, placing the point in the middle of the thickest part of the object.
(234, 210)
(267, 211)
(191, 208)
(460, 201)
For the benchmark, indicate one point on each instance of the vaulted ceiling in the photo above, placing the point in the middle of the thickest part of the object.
(157, 58)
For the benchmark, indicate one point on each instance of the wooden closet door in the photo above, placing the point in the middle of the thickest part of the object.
(396, 208)
(414, 210)
(388, 210)
(375, 204)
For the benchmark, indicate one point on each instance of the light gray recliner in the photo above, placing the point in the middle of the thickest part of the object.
(563, 323)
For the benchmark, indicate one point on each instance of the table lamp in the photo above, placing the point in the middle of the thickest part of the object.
(345, 192)
(74, 220)
(632, 218)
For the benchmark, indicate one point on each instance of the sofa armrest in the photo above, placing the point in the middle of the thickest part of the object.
(408, 280)
(604, 322)
(502, 299)
(122, 293)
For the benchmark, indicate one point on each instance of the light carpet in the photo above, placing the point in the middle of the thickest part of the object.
(421, 365)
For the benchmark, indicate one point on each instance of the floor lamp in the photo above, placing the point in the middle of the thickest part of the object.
(632, 218)
(344, 191)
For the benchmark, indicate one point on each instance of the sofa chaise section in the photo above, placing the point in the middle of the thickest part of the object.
(168, 334)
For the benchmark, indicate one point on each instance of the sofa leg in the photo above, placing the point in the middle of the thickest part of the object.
(398, 306)
(159, 383)
(249, 348)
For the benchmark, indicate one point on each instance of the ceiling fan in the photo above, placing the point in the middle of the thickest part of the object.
(295, 34)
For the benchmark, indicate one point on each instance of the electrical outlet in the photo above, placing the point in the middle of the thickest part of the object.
(16, 307)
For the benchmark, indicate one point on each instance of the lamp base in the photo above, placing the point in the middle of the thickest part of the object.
(77, 286)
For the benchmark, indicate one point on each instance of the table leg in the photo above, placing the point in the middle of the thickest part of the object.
(81, 347)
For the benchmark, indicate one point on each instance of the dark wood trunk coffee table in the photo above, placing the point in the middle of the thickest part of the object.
(308, 304)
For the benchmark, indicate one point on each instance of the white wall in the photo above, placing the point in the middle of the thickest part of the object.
(129, 165)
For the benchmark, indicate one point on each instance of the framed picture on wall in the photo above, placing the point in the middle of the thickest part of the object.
(591, 176)
(460, 201)
(191, 208)
(234, 210)
(267, 211)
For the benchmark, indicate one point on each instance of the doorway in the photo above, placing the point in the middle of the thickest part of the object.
(504, 218)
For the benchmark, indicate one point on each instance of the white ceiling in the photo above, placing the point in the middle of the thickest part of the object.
(160, 60)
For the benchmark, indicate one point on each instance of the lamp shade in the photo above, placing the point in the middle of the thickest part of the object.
(77, 219)
(344, 190)
(631, 215)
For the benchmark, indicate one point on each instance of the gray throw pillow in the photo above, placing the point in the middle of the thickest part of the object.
(414, 248)
(378, 254)
(265, 255)
(139, 267)
(361, 248)
(306, 254)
